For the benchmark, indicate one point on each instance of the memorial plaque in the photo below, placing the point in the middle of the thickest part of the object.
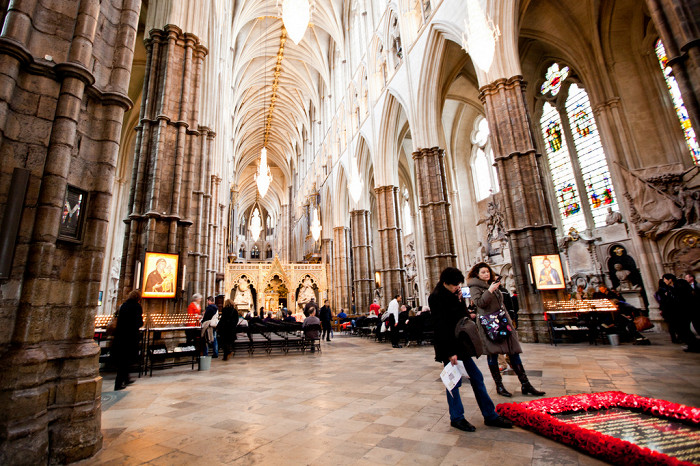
(665, 436)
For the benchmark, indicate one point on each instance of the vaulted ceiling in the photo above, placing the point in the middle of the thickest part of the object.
(303, 79)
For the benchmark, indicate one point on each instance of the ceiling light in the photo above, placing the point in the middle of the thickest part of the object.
(315, 226)
(295, 15)
(263, 177)
(482, 34)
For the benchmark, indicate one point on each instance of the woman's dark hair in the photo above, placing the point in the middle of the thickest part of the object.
(474, 272)
(669, 276)
(452, 276)
(134, 296)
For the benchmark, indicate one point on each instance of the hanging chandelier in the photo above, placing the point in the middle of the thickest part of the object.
(295, 16)
(315, 226)
(263, 177)
(355, 183)
(255, 224)
(482, 34)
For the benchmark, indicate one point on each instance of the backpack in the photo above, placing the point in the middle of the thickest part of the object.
(467, 334)
(386, 315)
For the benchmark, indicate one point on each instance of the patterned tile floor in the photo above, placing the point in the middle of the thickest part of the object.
(361, 402)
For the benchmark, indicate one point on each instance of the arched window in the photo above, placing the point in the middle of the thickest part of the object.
(690, 139)
(575, 154)
(255, 252)
(483, 171)
(268, 253)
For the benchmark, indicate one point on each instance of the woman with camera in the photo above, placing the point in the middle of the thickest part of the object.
(496, 328)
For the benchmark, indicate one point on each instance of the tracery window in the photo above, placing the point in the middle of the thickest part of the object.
(483, 171)
(575, 154)
(688, 132)
(255, 252)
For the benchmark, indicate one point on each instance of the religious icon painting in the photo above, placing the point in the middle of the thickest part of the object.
(73, 215)
(548, 272)
(160, 272)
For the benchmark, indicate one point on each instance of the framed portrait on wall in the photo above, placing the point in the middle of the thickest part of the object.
(160, 275)
(548, 272)
(73, 215)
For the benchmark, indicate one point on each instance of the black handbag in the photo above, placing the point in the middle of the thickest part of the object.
(468, 336)
(496, 326)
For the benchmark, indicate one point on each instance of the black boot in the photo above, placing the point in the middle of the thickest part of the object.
(496, 374)
(527, 387)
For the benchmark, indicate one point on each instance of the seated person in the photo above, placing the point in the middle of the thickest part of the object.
(342, 314)
(605, 293)
(269, 317)
(312, 327)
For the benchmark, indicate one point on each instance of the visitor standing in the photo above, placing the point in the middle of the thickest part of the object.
(194, 317)
(675, 299)
(326, 315)
(484, 290)
(227, 327)
(392, 321)
(448, 308)
(310, 305)
(125, 346)
(209, 330)
(374, 308)
(695, 309)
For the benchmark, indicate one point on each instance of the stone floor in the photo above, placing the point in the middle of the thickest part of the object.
(361, 402)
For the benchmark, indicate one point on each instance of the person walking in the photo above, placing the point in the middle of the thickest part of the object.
(125, 346)
(484, 291)
(208, 330)
(227, 327)
(448, 308)
(325, 315)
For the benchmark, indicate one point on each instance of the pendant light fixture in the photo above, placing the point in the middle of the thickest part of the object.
(482, 34)
(295, 16)
(263, 176)
(316, 226)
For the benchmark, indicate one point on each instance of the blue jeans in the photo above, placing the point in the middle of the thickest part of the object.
(215, 347)
(514, 359)
(454, 401)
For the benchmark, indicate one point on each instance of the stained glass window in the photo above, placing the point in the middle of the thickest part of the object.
(591, 157)
(690, 139)
(562, 171)
(554, 78)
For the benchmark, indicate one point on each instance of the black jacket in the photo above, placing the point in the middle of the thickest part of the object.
(125, 346)
(209, 312)
(228, 323)
(325, 314)
(446, 309)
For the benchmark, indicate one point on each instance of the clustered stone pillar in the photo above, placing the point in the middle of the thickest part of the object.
(362, 259)
(528, 215)
(393, 275)
(60, 119)
(327, 258)
(678, 24)
(435, 212)
(173, 199)
(341, 269)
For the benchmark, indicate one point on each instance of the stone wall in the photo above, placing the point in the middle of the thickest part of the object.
(64, 75)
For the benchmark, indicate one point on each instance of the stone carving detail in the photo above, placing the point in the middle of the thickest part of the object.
(613, 217)
(496, 241)
(623, 270)
(409, 259)
(661, 200)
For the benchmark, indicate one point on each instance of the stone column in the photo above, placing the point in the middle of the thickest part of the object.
(171, 182)
(327, 259)
(678, 24)
(435, 212)
(60, 121)
(528, 216)
(341, 269)
(362, 259)
(392, 272)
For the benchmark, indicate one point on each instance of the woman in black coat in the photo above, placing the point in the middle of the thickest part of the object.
(447, 307)
(125, 346)
(675, 299)
(227, 327)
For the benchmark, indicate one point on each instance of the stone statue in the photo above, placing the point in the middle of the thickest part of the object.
(689, 202)
(243, 298)
(306, 292)
(482, 254)
(613, 217)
